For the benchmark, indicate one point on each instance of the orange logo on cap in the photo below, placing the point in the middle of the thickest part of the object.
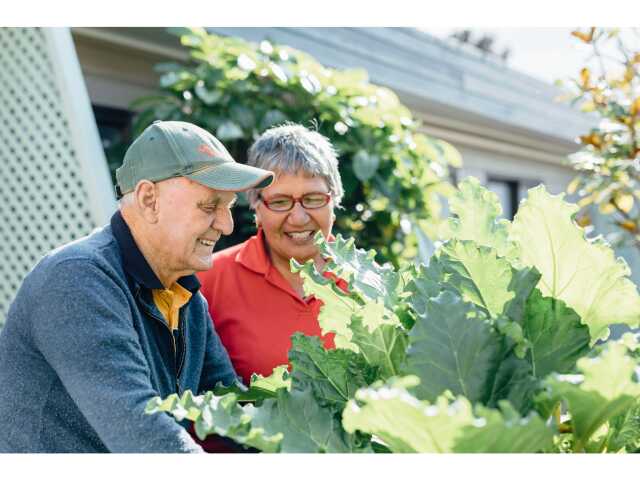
(206, 149)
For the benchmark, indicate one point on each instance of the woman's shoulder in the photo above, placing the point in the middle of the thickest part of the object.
(228, 254)
(226, 270)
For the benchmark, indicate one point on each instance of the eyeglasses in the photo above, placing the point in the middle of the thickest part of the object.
(284, 203)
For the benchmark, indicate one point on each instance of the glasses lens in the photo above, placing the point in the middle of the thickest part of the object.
(315, 200)
(280, 204)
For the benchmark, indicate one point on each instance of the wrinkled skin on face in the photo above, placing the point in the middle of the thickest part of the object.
(190, 219)
(290, 234)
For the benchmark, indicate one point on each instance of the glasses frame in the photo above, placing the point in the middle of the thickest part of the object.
(266, 202)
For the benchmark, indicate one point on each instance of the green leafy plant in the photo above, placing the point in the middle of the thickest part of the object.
(608, 163)
(393, 175)
(491, 347)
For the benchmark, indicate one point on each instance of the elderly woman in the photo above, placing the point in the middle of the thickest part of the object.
(255, 299)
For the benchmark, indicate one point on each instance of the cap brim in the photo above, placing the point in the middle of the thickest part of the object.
(233, 177)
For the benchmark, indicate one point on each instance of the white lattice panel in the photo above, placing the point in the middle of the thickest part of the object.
(44, 194)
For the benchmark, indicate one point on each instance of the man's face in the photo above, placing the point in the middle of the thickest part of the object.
(191, 219)
(290, 234)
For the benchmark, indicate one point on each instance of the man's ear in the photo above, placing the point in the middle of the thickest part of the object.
(146, 200)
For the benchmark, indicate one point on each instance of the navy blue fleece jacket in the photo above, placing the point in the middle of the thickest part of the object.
(84, 348)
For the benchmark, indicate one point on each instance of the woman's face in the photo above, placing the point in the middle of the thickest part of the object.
(290, 234)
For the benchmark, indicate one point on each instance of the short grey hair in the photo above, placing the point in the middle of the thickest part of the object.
(292, 148)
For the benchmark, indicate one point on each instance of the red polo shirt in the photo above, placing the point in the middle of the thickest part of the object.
(255, 310)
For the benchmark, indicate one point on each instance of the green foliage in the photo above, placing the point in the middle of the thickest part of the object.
(557, 338)
(493, 359)
(607, 164)
(392, 174)
(408, 425)
(476, 216)
(334, 375)
(453, 347)
(260, 387)
(606, 388)
(585, 275)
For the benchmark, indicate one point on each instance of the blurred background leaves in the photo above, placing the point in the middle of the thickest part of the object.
(395, 178)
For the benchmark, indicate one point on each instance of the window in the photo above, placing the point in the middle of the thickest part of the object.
(510, 192)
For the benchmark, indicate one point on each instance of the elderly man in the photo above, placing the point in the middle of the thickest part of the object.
(105, 323)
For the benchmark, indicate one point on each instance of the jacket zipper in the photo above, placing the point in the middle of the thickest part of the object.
(181, 328)
(177, 367)
(173, 344)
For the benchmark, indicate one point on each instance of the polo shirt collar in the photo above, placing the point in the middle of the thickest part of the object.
(134, 262)
(254, 255)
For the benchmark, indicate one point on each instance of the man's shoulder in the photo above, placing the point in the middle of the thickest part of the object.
(89, 267)
(98, 249)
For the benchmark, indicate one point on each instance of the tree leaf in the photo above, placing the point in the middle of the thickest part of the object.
(585, 37)
(177, 80)
(209, 97)
(243, 116)
(229, 131)
(583, 274)
(365, 165)
(272, 118)
(451, 154)
(623, 200)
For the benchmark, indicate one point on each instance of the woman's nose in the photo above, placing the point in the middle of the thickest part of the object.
(298, 215)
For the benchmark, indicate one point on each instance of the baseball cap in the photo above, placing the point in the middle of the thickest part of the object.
(168, 149)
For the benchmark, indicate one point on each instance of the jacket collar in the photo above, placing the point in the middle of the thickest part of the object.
(134, 262)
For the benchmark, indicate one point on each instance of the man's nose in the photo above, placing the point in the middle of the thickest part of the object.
(224, 222)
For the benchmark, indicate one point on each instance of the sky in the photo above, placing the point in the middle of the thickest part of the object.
(547, 54)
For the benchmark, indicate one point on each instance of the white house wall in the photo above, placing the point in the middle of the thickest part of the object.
(54, 182)
(486, 164)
